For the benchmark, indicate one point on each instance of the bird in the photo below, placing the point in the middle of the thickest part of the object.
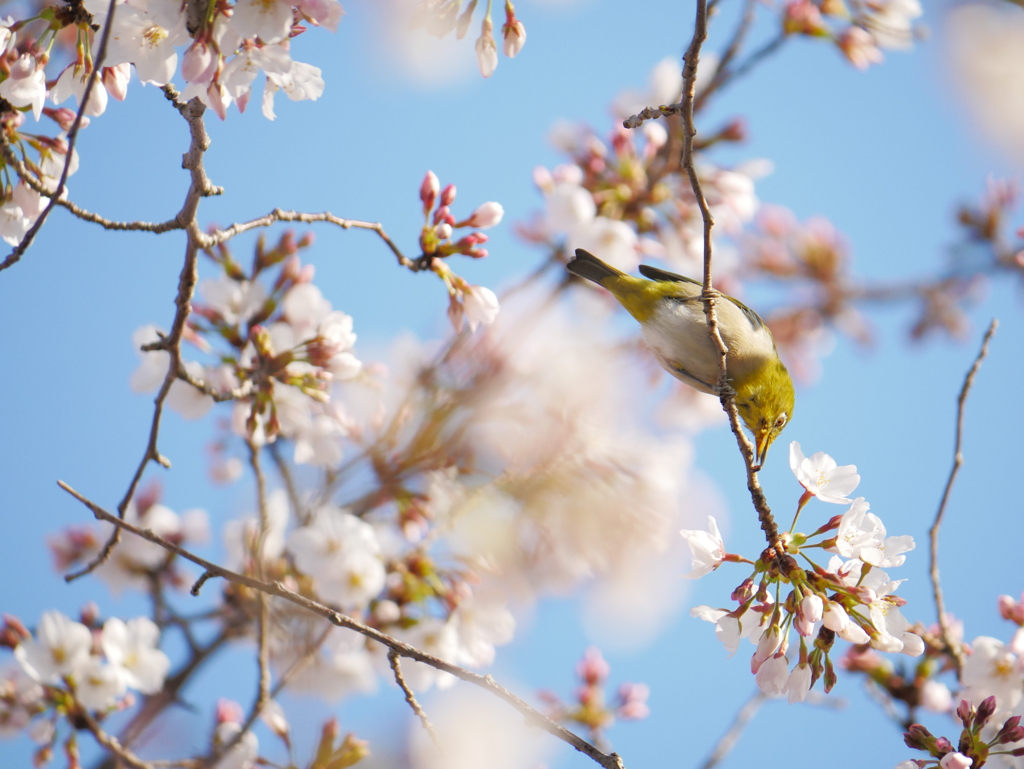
(670, 311)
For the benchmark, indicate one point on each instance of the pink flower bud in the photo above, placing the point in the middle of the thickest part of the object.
(486, 49)
(199, 64)
(64, 117)
(429, 189)
(736, 131)
(115, 80)
(515, 36)
(443, 214)
(448, 195)
(443, 231)
(955, 761)
(485, 216)
(592, 668)
(229, 712)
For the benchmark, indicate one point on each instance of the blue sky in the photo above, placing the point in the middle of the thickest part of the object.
(885, 154)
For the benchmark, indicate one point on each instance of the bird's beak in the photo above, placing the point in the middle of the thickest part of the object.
(764, 440)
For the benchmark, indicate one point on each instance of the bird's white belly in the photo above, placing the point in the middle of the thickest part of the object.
(678, 336)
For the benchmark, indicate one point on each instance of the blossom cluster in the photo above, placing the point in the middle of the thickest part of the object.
(860, 30)
(850, 597)
(67, 666)
(467, 303)
(591, 708)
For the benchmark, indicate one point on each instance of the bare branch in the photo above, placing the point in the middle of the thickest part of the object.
(111, 742)
(396, 667)
(30, 179)
(278, 215)
(726, 394)
(199, 188)
(276, 589)
(952, 645)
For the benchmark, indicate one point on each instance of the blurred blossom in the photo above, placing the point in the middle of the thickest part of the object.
(242, 536)
(985, 44)
(342, 667)
(475, 730)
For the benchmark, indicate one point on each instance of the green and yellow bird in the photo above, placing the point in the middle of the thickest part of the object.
(671, 314)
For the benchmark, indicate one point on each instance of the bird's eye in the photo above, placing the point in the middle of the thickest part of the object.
(780, 422)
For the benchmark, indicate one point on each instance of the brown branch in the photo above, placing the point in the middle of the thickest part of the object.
(396, 667)
(219, 396)
(723, 77)
(278, 590)
(289, 482)
(101, 54)
(30, 179)
(278, 215)
(952, 645)
(110, 742)
(726, 394)
(199, 188)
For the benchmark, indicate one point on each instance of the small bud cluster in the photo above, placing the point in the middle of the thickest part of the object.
(475, 304)
(852, 598)
(979, 740)
(591, 708)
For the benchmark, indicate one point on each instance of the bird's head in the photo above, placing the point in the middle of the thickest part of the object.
(765, 402)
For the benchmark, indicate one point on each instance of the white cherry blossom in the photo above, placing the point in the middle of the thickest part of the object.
(145, 33)
(132, 650)
(60, 648)
(820, 475)
(97, 684)
(993, 670)
(25, 86)
(707, 548)
(269, 20)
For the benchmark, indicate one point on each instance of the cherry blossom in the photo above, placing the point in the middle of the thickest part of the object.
(707, 547)
(821, 477)
(146, 35)
(25, 86)
(269, 20)
(992, 669)
(60, 648)
(132, 650)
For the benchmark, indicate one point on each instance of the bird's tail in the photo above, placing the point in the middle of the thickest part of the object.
(588, 266)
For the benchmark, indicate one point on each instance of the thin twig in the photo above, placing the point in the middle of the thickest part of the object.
(722, 72)
(728, 740)
(952, 645)
(30, 179)
(110, 742)
(289, 482)
(723, 76)
(726, 394)
(263, 657)
(396, 667)
(97, 67)
(278, 215)
(276, 589)
(199, 187)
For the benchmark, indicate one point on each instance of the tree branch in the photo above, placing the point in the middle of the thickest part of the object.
(396, 667)
(276, 589)
(726, 394)
(952, 645)
(278, 215)
(199, 188)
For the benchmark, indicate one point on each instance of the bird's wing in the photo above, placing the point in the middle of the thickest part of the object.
(655, 273)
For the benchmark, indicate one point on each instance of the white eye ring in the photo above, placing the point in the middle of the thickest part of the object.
(781, 420)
